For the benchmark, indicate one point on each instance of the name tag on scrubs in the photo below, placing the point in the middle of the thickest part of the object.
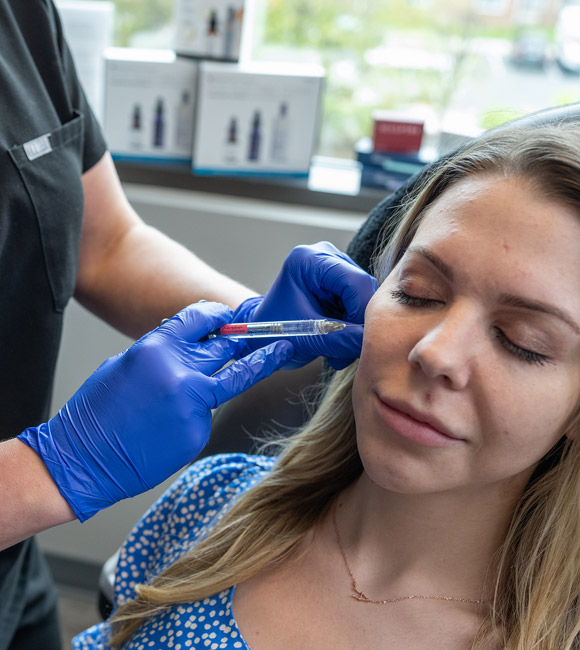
(38, 147)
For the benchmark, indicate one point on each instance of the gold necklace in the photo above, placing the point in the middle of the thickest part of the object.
(363, 598)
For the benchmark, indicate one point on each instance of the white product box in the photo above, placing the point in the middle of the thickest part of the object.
(210, 29)
(149, 105)
(88, 27)
(256, 119)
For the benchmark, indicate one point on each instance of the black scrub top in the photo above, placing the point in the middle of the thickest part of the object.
(48, 138)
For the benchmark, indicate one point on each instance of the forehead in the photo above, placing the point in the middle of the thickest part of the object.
(502, 211)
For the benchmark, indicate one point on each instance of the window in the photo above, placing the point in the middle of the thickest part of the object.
(491, 7)
(462, 64)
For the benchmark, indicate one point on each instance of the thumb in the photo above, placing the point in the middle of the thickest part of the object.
(244, 373)
(196, 320)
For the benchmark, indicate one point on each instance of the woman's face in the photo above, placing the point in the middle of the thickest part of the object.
(471, 355)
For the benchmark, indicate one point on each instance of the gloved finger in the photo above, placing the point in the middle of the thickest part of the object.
(344, 345)
(208, 357)
(111, 361)
(197, 320)
(244, 373)
(342, 278)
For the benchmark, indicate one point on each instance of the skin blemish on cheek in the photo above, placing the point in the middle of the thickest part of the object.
(506, 247)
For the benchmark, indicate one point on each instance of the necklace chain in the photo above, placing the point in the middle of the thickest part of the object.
(363, 598)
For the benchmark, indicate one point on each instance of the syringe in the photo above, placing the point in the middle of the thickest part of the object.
(277, 329)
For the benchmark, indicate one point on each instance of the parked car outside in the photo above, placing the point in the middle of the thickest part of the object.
(530, 49)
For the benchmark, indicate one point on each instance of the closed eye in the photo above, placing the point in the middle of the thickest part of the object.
(405, 299)
(520, 353)
(523, 354)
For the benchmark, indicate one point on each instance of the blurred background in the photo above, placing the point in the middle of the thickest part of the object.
(469, 64)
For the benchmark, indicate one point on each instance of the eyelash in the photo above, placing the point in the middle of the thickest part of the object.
(520, 353)
(405, 299)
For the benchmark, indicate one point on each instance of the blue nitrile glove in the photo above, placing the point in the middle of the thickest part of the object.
(315, 282)
(146, 412)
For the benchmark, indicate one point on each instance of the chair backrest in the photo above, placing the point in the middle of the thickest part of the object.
(274, 402)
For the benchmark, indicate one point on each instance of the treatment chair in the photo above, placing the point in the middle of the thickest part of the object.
(275, 404)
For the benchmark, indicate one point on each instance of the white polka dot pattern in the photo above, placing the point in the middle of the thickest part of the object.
(183, 516)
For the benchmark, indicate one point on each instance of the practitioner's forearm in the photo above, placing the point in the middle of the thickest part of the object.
(31, 501)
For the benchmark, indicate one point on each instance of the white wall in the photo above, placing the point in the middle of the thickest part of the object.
(245, 238)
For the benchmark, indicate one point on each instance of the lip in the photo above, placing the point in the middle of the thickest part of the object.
(417, 427)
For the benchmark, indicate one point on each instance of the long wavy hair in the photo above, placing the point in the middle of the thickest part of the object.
(537, 570)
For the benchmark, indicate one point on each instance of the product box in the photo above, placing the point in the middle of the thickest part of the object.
(256, 119)
(149, 105)
(389, 170)
(398, 163)
(88, 27)
(209, 29)
(396, 132)
(379, 179)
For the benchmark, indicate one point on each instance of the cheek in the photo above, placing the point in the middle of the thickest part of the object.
(366, 375)
(357, 392)
(553, 409)
(374, 365)
(388, 339)
(554, 400)
(533, 416)
(386, 327)
(383, 360)
(377, 352)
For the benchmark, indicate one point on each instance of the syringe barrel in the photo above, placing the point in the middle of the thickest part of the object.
(270, 329)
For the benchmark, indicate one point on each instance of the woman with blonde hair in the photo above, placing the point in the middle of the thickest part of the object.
(432, 502)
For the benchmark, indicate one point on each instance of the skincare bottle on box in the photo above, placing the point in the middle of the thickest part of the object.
(255, 138)
(212, 37)
(231, 143)
(230, 33)
(280, 134)
(136, 132)
(159, 124)
(184, 130)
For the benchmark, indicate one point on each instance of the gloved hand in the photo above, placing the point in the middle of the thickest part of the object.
(146, 413)
(315, 282)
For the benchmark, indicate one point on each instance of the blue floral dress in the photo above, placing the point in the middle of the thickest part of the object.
(170, 528)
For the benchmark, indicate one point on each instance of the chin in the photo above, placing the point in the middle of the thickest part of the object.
(388, 468)
(397, 469)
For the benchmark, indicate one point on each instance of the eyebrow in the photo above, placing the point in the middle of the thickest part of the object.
(437, 262)
(521, 303)
(509, 300)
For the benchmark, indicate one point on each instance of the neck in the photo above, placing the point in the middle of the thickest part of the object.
(401, 544)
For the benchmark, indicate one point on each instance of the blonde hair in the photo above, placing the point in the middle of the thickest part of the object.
(535, 605)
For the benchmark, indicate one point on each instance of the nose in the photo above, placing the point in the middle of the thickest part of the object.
(446, 350)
